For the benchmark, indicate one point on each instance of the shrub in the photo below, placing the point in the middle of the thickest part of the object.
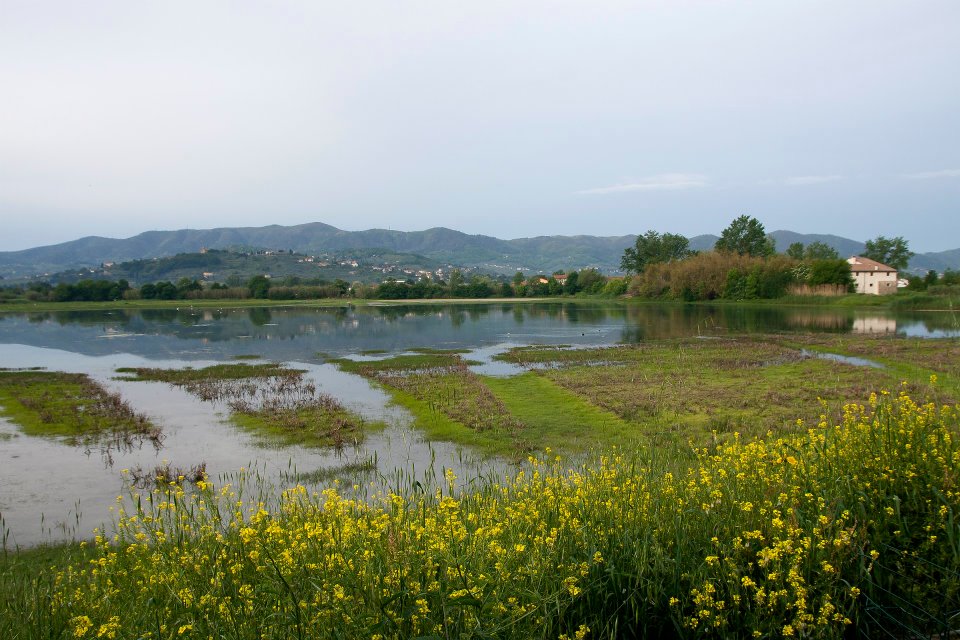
(713, 274)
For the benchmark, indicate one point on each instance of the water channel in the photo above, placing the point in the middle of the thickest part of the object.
(53, 490)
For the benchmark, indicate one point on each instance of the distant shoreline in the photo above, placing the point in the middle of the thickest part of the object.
(852, 301)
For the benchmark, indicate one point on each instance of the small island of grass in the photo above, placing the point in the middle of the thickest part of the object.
(273, 401)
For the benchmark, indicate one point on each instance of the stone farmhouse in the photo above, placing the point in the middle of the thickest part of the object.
(872, 276)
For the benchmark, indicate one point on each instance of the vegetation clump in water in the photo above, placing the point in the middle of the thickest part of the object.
(74, 407)
(270, 399)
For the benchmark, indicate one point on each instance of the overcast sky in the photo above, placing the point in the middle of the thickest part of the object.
(510, 119)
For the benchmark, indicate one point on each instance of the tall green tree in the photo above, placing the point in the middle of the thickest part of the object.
(259, 286)
(820, 251)
(590, 280)
(457, 282)
(830, 271)
(572, 285)
(747, 237)
(893, 252)
(795, 250)
(652, 248)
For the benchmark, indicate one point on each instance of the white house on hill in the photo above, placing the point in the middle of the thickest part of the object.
(872, 276)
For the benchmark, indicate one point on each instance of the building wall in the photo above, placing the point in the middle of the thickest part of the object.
(876, 282)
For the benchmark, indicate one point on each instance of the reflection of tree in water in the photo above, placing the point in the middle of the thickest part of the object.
(476, 312)
(590, 314)
(737, 319)
(651, 322)
(540, 310)
(676, 321)
(393, 314)
(91, 317)
(159, 315)
(260, 316)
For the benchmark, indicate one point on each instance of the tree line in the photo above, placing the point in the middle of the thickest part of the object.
(744, 265)
(585, 282)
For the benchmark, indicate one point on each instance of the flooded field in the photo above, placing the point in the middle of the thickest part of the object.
(54, 488)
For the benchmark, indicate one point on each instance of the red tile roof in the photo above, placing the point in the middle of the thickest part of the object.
(858, 264)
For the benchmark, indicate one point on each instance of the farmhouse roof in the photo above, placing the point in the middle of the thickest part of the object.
(858, 264)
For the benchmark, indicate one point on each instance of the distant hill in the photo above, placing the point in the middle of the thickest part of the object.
(231, 267)
(938, 261)
(540, 254)
(844, 246)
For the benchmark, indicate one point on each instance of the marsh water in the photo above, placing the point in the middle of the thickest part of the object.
(51, 489)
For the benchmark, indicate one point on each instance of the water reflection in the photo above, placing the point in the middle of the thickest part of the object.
(285, 333)
(874, 325)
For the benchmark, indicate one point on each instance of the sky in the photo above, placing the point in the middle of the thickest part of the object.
(509, 119)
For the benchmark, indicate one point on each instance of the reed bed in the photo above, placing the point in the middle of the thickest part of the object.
(844, 530)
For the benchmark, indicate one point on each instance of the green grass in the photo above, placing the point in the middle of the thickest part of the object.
(238, 371)
(554, 417)
(27, 585)
(436, 425)
(428, 350)
(319, 424)
(701, 390)
(348, 473)
(670, 391)
(70, 405)
(427, 360)
(24, 306)
(909, 359)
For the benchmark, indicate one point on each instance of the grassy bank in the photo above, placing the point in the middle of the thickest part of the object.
(912, 301)
(846, 530)
(30, 307)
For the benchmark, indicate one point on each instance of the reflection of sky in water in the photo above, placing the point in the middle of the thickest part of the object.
(45, 484)
(921, 330)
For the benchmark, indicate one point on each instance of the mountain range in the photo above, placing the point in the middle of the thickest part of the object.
(543, 254)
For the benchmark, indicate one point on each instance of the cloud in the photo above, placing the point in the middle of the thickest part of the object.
(659, 182)
(800, 181)
(932, 175)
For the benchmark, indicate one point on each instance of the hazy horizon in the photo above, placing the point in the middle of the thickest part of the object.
(503, 119)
